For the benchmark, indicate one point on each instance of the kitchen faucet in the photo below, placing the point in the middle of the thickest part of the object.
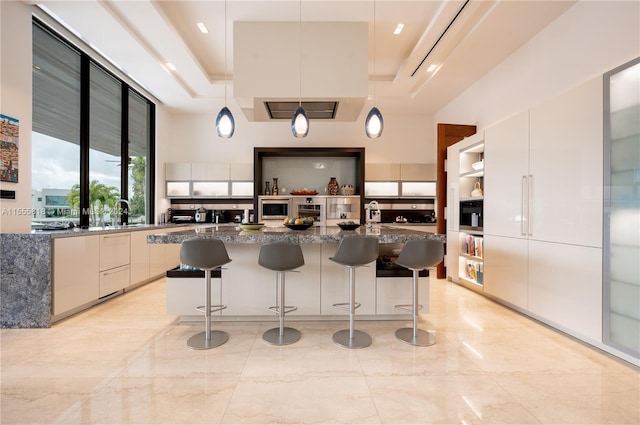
(373, 205)
(116, 210)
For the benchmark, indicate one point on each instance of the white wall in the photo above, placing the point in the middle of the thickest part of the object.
(589, 39)
(193, 138)
(15, 101)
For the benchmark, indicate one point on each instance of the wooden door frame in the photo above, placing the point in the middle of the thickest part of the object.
(448, 134)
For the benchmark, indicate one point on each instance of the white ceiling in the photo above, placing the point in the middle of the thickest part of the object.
(142, 35)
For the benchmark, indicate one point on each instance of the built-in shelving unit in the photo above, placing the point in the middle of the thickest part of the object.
(470, 238)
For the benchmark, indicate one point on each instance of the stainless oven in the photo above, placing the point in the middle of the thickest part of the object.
(313, 206)
(274, 208)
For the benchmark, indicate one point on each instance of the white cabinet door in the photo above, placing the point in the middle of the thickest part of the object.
(566, 167)
(241, 171)
(209, 171)
(382, 172)
(392, 291)
(505, 269)
(453, 191)
(76, 262)
(418, 172)
(114, 250)
(453, 251)
(140, 254)
(114, 280)
(157, 260)
(177, 171)
(565, 287)
(506, 177)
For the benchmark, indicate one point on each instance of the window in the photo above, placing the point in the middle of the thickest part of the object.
(93, 139)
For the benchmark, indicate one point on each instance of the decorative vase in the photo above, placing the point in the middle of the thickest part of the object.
(267, 189)
(332, 187)
(275, 186)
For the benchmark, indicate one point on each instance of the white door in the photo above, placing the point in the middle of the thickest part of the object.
(505, 269)
(506, 176)
(566, 167)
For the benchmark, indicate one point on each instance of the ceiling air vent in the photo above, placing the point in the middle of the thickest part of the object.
(280, 110)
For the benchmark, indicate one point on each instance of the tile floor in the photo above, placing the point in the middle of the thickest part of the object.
(126, 362)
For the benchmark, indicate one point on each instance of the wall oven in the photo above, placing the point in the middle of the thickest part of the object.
(314, 207)
(273, 208)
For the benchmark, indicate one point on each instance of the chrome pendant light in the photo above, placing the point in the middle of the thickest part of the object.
(300, 121)
(225, 124)
(374, 124)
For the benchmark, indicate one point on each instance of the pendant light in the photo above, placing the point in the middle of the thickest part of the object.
(300, 121)
(374, 124)
(225, 124)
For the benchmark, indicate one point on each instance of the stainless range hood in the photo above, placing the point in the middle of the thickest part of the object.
(331, 75)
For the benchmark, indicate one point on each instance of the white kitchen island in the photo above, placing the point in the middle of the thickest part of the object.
(248, 289)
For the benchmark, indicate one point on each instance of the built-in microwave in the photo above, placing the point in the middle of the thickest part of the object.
(273, 207)
(471, 215)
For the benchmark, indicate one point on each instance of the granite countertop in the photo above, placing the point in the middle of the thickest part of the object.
(76, 231)
(314, 234)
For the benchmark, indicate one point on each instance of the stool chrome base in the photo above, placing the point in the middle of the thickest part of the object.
(199, 340)
(422, 338)
(360, 339)
(272, 336)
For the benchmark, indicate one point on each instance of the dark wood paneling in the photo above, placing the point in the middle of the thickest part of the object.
(448, 134)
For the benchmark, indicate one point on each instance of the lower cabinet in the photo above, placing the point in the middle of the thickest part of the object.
(113, 280)
(392, 291)
(140, 257)
(506, 269)
(186, 291)
(76, 270)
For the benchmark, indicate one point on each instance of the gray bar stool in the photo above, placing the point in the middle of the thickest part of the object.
(418, 255)
(206, 255)
(352, 252)
(281, 257)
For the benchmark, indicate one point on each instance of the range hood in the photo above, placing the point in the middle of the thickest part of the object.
(330, 76)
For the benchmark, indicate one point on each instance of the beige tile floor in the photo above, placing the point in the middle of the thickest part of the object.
(126, 362)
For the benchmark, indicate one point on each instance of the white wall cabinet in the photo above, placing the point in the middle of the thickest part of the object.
(76, 269)
(241, 171)
(418, 172)
(177, 171)
(201, 171)
(382, 172)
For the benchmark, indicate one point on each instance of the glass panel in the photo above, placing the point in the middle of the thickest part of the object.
(210, 189)
(105, 122)
(139, 141)
(622, 208)
(418, 188)
(372, 189)
(178, 189)
(55, 148)
(242, 189)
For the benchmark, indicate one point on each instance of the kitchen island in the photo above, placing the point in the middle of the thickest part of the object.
(248, 289)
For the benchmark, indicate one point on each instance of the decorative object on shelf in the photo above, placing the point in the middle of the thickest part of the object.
(304, 192)
(300, 121)
(347, 190)
(267, 188)
(332, 187)
(477, 190)
(478, 165)
(275, 186)
(374, 123)
(225, 124)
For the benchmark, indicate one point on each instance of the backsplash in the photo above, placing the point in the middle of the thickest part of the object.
(310, 173)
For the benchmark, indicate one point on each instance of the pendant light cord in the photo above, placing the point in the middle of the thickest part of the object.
(374, 52)
(225, 53)
(300, 53)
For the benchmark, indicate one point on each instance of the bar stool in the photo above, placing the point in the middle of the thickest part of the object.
(352, 252)
(206, 255)
(281, 257)
(418, 255)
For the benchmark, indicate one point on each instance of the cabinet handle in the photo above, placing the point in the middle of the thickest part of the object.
(122, 235)
(530, 204)
(523, 205)
(115, 271)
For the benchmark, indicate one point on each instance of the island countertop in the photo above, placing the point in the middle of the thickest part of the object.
(314, 234)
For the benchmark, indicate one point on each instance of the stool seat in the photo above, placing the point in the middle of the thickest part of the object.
(207, 255)
(352, 252)
(418, 255)
(281, 257)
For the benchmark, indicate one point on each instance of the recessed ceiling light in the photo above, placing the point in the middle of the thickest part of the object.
(398, 29)
(432, 68)
(202, 27)
(170, 66)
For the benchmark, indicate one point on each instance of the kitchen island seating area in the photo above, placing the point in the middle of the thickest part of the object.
(206, 255)
(281, 257)
(352, 253)
(416, 256)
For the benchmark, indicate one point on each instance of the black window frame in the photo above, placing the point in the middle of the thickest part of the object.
(85, 95)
